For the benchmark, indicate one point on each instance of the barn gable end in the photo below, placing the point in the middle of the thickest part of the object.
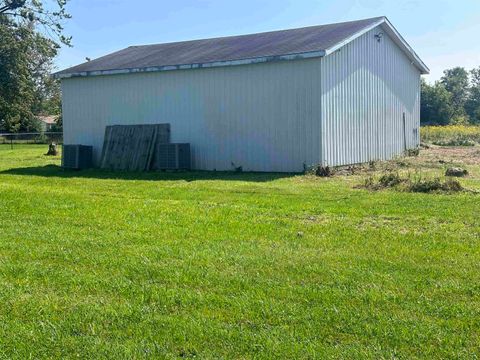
(368, 87)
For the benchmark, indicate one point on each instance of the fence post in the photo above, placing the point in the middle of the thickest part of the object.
(11, 142)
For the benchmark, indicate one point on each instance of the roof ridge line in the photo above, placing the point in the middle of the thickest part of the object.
(259, 33)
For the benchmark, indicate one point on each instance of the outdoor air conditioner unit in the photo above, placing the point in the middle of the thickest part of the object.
(171, 157)
(77, 157)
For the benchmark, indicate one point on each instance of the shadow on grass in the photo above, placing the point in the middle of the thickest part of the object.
(59, 172)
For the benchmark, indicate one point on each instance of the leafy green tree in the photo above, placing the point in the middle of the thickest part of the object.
(472, 105)
(35, 13)
(16, 84)
(11, 5)
(26, 56)
(48, 97)
(436, 104)
(456, 82)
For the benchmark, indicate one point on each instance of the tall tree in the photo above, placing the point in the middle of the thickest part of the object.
(30, 36)
(436, 104)
(472, 106)
(11, 5)
(456, 82)
(39, 13)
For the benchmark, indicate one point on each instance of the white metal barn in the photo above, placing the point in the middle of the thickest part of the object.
(279, 101)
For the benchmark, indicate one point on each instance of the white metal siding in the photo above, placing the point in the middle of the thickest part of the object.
(366, 87)
(263, 117)
(342, 109)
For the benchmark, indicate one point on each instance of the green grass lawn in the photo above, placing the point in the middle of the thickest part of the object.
(218, 265)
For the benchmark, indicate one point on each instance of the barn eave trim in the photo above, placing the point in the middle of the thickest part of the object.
(256, 60)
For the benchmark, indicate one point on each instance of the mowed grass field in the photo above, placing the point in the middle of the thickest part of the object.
(225, 265)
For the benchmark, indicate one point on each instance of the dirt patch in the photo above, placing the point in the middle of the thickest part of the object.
(434, 157)
(450, 155)
(425, 172)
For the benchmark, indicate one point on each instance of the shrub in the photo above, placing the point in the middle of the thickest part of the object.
(387, 180)
(412, 152)
(323, 171)
(412, 184)
(434, 185)
(390, 179)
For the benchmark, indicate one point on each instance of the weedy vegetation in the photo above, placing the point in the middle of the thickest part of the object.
(97, 264)
(412, 183)
(451, 135)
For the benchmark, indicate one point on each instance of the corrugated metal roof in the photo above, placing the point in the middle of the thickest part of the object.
(263, 45)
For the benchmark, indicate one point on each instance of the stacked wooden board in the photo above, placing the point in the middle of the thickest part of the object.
(132, 147)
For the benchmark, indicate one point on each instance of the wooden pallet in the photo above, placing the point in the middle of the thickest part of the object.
(131, 147)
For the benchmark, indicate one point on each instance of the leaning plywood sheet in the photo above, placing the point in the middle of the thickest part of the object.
(131, 147)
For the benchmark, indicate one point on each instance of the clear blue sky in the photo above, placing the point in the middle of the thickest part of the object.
(445, 33)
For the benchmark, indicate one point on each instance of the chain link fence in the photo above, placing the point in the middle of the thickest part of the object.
(31, 138)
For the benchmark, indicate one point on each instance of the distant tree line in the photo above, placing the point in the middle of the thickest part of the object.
(454, 99)
(31, 34)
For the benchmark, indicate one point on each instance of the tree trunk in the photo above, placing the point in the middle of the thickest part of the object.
(52, 150)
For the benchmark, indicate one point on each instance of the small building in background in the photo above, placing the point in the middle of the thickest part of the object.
(47, 122)
(281, 101)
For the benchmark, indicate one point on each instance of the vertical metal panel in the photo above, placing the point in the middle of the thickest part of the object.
(366, 87)
(263, 117)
